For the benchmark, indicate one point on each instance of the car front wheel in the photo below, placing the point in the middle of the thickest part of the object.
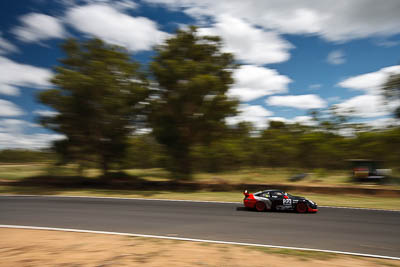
(301, 207)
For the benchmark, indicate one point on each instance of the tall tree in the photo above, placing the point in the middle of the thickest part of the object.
(392, 90)
(98, 94)
(191, 104)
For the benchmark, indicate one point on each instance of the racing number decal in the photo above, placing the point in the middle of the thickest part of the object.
(287, 201)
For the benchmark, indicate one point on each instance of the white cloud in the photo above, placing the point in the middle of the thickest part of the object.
(12, 126)
(255, 114)
(372, 104)
(248, 43)
(6, 46)
(36, 27)
(45, 113)
(15, 74)
(336, 57)
(304, 120)
(387, 43)
(333, 20)
(124, 4)
(12, 135)
(366, 106)
(115, 27)
(370, 82)
(31, 141)
(260, 117)
(9, 109)
(7, 89)
(383, 123)
(297, 101)
(118, 4)
(252, 82)
(281, 119)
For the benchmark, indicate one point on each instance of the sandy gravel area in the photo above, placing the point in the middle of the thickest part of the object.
(20, 247)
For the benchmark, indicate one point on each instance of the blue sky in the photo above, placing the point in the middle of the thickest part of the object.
(294, 55)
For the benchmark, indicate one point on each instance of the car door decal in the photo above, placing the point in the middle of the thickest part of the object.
(287, 201)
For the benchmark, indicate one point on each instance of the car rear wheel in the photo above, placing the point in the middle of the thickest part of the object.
(260, 206)
(301, 207)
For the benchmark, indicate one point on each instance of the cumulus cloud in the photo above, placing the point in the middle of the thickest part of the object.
(12, 135)
(248, 43)
(333, 20)
(36, 27)
(45, 113)
(12, 126)
(122, 4)
(370, 82)
(372, 103)
(7, 89)
(304, 120)
(255, 114)
(115, 27)
(252, 82)
(15, 74)
(366, 106)
(382, 123)
(260, 117)
(297, 101)
(6, 46)
(336, 57)
(9, 109)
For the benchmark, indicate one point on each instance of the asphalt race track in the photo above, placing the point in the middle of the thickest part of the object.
(349, 230)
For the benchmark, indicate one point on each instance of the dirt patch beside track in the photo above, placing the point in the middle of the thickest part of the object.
(50, 248)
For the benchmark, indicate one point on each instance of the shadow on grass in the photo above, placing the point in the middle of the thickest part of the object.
(117, 182)
(123, 184)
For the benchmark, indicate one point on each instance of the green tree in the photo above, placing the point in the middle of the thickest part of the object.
(190, 105)
(98, 94)
(144, 152)
(392, 90)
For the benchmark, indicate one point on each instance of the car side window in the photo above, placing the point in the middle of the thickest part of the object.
(276, 194)
(266, 195)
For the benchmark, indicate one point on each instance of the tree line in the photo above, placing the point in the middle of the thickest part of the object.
(281, 145)
(103, 98)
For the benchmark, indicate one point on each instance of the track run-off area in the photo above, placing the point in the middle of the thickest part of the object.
(351, 231)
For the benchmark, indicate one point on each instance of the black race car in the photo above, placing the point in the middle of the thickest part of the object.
(274, 199)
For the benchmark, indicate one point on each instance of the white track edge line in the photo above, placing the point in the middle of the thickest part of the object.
(179, 200)
(196, 240)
